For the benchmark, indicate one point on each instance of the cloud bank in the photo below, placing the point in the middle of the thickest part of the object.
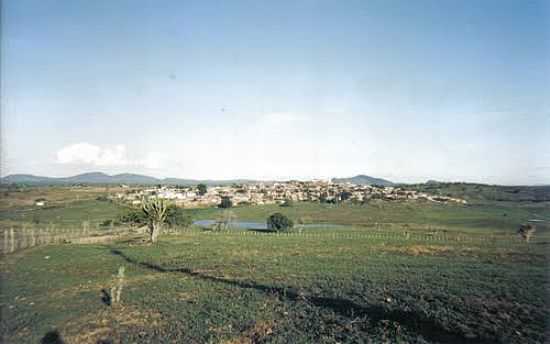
(90, 155)
(86, 153)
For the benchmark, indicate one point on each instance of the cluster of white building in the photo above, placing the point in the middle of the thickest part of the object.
(279, 192)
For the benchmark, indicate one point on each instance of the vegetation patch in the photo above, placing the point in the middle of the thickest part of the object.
(417, 250)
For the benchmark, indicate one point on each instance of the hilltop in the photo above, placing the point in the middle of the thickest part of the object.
(103, 178)
(363, 180)
(138, 179)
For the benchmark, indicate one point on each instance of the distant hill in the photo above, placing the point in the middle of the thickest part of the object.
(104, 179)
(85, 178)
(485, 192)
(178, 181)
(363, 180)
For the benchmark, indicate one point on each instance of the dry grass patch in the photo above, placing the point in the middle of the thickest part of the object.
(97, 286)
(420, 250)
(254, 334)
(107, 324)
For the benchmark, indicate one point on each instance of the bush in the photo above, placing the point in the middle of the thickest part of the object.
(226, 202)
(134, 218)
(345, 195)
(526, 231)
(176, 217)
(202, 188)
(279, 222)
(107, 223)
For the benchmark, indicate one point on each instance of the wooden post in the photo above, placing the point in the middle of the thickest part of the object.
(33, 237)
(6, 239)
(12, 240)
(23, 239)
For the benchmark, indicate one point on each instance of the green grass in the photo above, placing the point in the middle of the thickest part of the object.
(70, 215)
(21, 197)
(486, 193)
(495, 217)
(323, 286)
(430, 273)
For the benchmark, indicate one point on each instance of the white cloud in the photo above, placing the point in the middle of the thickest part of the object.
(112, 156)
(86, 153)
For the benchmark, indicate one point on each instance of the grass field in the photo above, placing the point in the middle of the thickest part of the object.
(68, 215)
(319, 286)
(24, 197)
(71, 206)
(486, 218)
(396, 272)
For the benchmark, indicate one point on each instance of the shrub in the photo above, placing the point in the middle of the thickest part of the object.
(134, 218)
(526, 231)
(279, 222)
(226, 202)
(107, 223)
(345, 195)
(202, 188)
(176, 217)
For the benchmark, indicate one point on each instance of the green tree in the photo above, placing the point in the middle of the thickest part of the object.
(175, 217)
(134, 218)
(279, 222)
(155, 211)
(345, 195)
(202, 189)
(226, 202)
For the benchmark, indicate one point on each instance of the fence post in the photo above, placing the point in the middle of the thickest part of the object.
(23, 240)
(12, 240)
(32, 239)
(6, 244)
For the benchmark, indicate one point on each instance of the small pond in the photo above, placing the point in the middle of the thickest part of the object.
(263, 225)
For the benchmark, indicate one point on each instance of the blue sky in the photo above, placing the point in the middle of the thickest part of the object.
(406, 90)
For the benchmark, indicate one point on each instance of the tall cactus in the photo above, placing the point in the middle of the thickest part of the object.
(155, 210)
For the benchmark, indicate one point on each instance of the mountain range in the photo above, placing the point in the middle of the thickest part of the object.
(138, 179)
(363, 180)
(103, 178)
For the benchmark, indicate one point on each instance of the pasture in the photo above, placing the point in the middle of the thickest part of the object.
(497, 217)
(396, 273)
(314, 287)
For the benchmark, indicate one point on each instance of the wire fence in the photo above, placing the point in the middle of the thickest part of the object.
(18, 238)
(373, 234)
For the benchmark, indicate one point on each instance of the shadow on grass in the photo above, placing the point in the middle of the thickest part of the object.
(261, 230)
(414, 321)
(106, 297)
(52, 337)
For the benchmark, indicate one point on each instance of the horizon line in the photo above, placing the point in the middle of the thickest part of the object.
(269, 179)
